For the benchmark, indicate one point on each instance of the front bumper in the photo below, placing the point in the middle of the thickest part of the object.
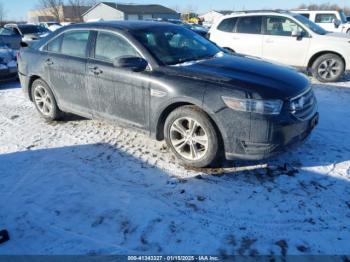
(257, 137)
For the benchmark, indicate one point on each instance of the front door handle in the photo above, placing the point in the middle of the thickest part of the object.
(49, 61)
(95, 69)
(269, 41)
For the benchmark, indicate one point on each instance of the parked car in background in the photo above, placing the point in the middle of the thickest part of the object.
(8, 63)
(28, 32)
(193, 27)
(286, 38)
(173, 84)
(10, 38)
(201, 30)
(52, 26)
(333, 21)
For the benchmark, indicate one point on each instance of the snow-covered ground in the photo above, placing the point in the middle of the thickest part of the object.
(88, 187)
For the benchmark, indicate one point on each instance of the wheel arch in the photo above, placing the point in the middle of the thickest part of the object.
(317, 55)
(159, 135)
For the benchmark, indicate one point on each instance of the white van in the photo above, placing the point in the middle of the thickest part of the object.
(333, 21)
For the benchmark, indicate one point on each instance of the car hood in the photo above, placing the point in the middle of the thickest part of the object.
(261, 79)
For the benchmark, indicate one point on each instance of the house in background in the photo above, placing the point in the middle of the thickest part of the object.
(113, 11)
(66, 14)
(212, 16)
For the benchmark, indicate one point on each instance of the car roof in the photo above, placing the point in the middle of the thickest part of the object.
(121, 25)
(316, 11)
(258, 12)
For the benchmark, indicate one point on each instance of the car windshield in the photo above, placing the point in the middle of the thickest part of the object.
(309, 24)
(32, 29)
(172, 45)
(343, 17)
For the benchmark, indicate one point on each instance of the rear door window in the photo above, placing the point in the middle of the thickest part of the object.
(75, 43)
(228, 25)
(325, 18)
(249, 25)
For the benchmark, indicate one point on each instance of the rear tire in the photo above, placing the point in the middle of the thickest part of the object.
(44, 101)
(192, 137)
(328, 68)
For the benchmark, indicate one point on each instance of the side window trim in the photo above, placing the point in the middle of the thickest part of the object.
(264, 25)
(61, 35)
(324, 14)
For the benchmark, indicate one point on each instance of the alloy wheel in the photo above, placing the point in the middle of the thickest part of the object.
(329, 69)
(43, 100)
(189, 138)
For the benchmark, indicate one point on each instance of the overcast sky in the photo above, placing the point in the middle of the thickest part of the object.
(17, 9)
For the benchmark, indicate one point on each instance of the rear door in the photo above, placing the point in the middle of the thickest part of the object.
(248, 36)
(279, 45)
(117, 93)
(224, 35)
(66, 63)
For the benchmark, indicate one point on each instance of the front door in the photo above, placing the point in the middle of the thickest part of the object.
(66, 62)
(327, 22)
(117, 93)
(280, 46)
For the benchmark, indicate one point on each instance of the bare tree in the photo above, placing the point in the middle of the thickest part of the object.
(51, 8)
(79, 7)
(2, 14)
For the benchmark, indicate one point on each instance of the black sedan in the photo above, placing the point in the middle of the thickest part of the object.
(172, 83)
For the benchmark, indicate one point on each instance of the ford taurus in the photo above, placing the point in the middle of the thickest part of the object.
(173, 84)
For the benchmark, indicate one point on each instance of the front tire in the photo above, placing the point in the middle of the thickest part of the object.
(328, 68)
(45, 101)
(192, 137)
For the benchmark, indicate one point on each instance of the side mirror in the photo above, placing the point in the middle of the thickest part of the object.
(136, 64)
(336, 23)
(297, 34)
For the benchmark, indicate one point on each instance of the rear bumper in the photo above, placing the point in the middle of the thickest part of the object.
(24, 80)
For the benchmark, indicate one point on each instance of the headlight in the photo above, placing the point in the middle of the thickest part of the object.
(266, 107)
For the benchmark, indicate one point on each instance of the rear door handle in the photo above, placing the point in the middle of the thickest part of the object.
(269, 41)
(49, 61)
(95, 69)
